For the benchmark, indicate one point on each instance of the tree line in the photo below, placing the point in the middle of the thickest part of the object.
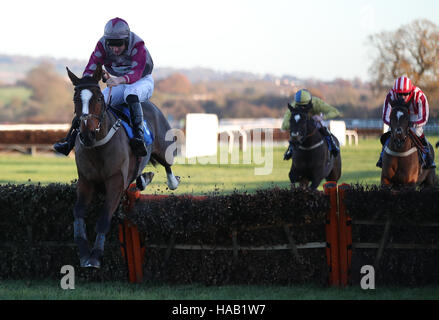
(411, 50)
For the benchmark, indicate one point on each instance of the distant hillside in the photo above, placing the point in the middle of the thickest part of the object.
(181, 91)
(13, 68)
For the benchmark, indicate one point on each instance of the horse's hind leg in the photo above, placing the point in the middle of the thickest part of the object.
(172, 181)
(84, 192)
(335, 173)
(113, 194)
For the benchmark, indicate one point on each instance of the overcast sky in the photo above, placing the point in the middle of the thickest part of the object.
(322, 39)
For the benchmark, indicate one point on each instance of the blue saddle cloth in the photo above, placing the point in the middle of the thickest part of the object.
(123, 112)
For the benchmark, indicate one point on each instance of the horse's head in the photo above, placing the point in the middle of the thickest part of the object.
(89, 105)
(298, 123)
(399, 123)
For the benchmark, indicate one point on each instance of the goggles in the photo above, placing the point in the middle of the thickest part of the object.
(115, 42)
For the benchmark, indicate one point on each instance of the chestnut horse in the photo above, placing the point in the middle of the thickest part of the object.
(401, 165)
(105, 161)
(312, 161)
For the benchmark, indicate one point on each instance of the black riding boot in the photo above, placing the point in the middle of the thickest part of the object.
(68, 144)
(385, 138)
(379, 164)
(289, 153)
(335, 150)
(138, 142)
(429, 158)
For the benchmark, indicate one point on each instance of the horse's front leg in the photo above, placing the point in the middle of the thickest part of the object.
(315, 183)
(114, 188)
(386, 181)
(84, 193)
(293, 175)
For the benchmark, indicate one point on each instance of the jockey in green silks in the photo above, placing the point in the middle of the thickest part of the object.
(318, 108)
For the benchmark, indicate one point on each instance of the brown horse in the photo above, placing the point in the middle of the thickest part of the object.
(312, 161)
(401, 165)
(105, 161)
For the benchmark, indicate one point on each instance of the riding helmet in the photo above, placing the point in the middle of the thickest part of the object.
(116, 28)
(303, 97)
(403, 85)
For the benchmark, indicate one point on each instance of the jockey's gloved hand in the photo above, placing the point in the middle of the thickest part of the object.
(105, 76)
(115, 81)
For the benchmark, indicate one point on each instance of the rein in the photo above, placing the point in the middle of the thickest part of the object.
(318, 144)
(107, 138)
(312, 147)
(416, 140)
(311, 134)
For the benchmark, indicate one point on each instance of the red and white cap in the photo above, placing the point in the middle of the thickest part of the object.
(403, 85)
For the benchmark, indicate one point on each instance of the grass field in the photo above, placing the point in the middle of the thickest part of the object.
(9, 93)
(124, 291)
(358, 167)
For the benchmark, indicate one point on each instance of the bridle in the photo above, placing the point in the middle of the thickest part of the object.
(88, 116)
(100, 118)
(401, 135)
(306, 134)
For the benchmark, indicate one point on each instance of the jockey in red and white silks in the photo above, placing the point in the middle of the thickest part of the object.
(404, 90)
(416, 99)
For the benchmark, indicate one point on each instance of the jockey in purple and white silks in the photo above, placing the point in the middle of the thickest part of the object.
(128, 67)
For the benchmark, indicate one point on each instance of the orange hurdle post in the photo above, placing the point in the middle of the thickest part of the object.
(129, 235)
(332, 250)
(130, 239)
(345, 237)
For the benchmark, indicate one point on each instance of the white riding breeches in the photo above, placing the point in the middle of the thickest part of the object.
(142, 88)
(419, 131)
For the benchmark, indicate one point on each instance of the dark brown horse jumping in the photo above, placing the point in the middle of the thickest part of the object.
(401, 165)
(105, 161)
(312, 161)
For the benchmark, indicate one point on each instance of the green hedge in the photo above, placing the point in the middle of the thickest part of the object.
(36, 233)
(32, 215)
(407, 209)
(258, 220)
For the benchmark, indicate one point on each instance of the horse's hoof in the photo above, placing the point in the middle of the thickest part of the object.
(173, 183)
(93, 263)
(83, 262)
(143, 180)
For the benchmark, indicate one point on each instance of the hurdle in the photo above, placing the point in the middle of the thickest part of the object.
(337, 229)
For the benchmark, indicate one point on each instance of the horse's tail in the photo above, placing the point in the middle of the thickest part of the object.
(437, 144)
